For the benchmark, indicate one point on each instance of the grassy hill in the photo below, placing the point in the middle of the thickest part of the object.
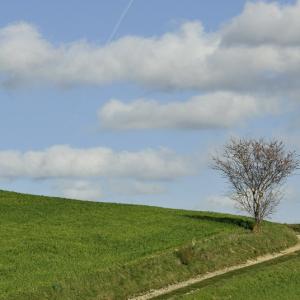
(53, 248)
(295, 227)
(274, 280)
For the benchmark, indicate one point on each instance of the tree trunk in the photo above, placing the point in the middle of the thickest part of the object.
(257, 219)
(256, 226)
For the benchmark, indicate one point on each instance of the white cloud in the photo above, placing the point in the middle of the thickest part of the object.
(136, 188)
(25, 56)
(217, 203)
(216, 110)
(64, 161)
(257, 51)
(265, 23)
(79, 189)
(291, 192)
(220, 201)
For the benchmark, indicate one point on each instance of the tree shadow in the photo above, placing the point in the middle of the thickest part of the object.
(246, 224)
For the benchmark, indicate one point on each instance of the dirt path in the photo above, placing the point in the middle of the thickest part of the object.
(176, 286)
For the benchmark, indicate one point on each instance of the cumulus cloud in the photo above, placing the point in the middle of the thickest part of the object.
(136, 187)
(264, 23)
(25, 56)
(256, 51)
(64, 161)
(95, 190)
(221, 201)
(79, 189)
(215, 110)
(217, 203)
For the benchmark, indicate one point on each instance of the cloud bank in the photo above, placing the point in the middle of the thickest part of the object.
(264, 23)
(215, 110)
(79, 189)
(65, 162)
(255, 51)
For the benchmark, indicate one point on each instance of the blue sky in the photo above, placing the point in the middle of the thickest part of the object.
(135, 120)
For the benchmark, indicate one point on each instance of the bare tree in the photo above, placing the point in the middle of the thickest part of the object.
(256, 170)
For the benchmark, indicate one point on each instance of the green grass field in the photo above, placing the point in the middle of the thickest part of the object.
(295, 227)
(276, 280)
(54, 248)
(272, 280)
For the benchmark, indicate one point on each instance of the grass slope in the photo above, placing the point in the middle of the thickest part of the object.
(275, 280)
(53, 248)
(295, 227)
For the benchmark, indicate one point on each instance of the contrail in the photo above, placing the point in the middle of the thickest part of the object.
(118, 24)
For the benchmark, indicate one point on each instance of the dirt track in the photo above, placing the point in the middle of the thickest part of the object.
(176, 286)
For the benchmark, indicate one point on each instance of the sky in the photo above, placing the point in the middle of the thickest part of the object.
(126, 101)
